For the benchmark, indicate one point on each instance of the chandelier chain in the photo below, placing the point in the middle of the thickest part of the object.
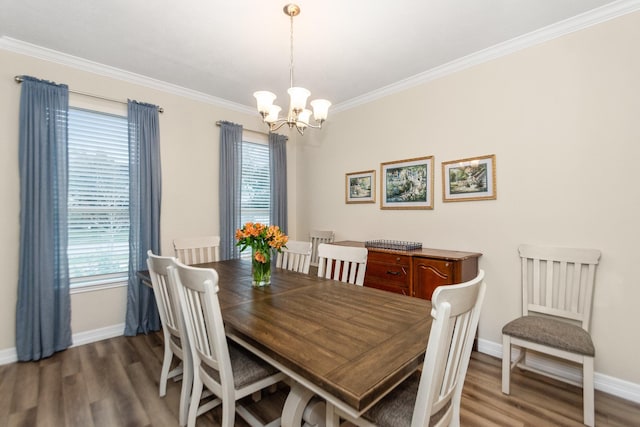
(291, 52)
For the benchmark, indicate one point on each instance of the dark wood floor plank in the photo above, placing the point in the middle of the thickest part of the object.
(25, 395)
(26, 418)
(7, 386)
(159, 414)
(95, 372)
(69, 360)
(50, 409)
(105, 413)
(125, 397)
(76, 403)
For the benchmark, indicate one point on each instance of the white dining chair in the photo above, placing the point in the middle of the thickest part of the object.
(175, 338)
(317, 237)
(226, 369)
(295, 257)
(343, 263)
(557, 293)
(432, 397)
(197, 250)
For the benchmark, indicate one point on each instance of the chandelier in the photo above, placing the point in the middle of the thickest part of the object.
(298, 114)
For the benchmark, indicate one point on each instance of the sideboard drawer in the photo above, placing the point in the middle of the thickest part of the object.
(388, 271)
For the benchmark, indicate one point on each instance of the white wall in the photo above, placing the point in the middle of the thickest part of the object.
(189, 155)
(562, 119)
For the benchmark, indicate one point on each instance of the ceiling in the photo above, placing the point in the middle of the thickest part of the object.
(343, 49)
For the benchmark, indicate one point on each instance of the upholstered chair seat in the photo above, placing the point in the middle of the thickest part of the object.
(247, 368)
(553, 333)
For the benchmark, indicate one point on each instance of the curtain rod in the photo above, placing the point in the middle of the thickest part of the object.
(219, 122)
(19, 79)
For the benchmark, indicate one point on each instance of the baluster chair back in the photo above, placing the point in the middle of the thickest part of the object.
(197, 250)
(317, 237)
(343, 263)
(295, 257)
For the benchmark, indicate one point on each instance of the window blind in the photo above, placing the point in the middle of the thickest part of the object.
(255, 194)
(98, 206)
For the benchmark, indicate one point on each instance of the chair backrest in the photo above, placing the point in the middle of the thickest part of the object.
(318, 237)
(455, 312)
(197, 250)
(344, 263)
(198, 294)
(295, 257)
(558, 282)
(168, 305)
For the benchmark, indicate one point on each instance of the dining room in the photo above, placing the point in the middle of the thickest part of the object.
(556, 113)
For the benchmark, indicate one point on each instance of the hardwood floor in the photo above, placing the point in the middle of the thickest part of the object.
(115, 383)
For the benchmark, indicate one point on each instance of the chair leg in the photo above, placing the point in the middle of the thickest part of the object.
(506, 363)
(164, 373)
(195, 400)
(187, 383)
(588, 392)
(228, 413)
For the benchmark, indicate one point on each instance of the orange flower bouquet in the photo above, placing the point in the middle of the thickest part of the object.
(262, 240)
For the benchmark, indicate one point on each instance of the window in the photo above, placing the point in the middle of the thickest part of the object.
(255, 188)
(98, 200)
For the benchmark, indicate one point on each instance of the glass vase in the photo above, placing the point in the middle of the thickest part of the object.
(260, 271)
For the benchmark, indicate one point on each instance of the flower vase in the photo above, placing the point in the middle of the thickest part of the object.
(260, 268)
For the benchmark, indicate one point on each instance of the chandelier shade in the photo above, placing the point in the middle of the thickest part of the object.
(298, 115)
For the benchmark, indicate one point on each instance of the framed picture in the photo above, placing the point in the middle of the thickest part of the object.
(469, 179)
(360, 187)
(407, 184)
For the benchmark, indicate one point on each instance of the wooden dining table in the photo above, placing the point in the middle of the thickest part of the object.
(348, 344)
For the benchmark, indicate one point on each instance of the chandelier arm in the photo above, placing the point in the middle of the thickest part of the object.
(277, 125)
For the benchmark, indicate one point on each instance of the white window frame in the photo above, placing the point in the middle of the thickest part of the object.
(104, 281)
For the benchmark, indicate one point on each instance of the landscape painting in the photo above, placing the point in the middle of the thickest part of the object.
(469, 179)
(407, 184)
(360, 187)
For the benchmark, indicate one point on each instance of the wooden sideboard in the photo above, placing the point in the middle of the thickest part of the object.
(417, 272)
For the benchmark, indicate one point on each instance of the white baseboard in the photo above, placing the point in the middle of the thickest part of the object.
(100, 334)
(611, 385)
(10, 355)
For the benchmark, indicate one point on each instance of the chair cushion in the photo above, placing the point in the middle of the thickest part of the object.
(396, 408)
(552, 333)
(247, 367)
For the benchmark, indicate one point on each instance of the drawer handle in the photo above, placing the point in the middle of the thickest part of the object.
(397, 273)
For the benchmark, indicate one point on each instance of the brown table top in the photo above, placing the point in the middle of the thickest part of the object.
(353, 342)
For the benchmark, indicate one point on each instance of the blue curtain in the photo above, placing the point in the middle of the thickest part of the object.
(43, 311)
(144, 213)
(278, 177)
(230, 181)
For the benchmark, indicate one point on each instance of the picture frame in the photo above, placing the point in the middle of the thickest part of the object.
(360, 187)
(469, 179)
(407, 184)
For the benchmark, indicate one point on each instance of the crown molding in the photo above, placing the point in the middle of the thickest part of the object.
(576, 23)
(35, 51)
(559, 29)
